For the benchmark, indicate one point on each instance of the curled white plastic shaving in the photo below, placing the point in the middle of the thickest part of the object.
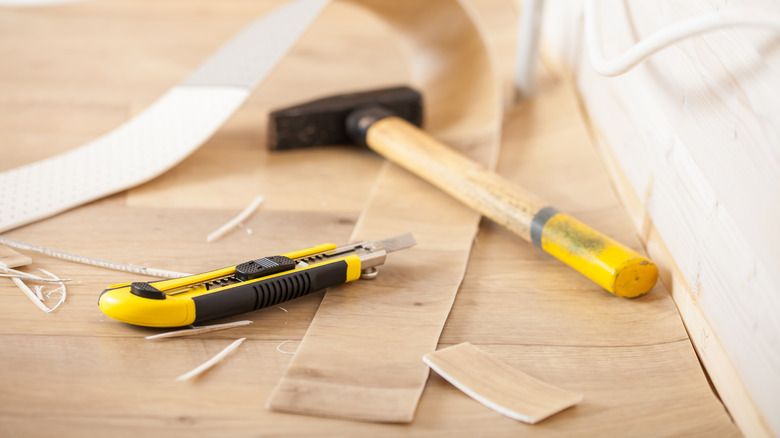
(39, 292)
(211, 362)
(279, 347)
(31, 295)
(61, 290)
(14, 273)
(34, 278)
(199, 330)
(37, 297)
(236, 221)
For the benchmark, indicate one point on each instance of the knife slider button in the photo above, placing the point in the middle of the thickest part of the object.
(146, 290)
(264, 266)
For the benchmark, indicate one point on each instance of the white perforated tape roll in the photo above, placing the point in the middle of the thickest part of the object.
(164, 134)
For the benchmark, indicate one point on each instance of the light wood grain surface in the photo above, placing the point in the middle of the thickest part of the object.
(70, 73)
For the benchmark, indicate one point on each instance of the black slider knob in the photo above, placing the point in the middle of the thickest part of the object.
(146, 290)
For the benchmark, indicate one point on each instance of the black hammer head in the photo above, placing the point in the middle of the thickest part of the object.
(324, 121)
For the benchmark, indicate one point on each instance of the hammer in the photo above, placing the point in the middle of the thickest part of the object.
(387, 121)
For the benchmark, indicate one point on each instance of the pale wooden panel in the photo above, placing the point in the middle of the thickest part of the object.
(695, 132)
(12, 259)
(709, 349)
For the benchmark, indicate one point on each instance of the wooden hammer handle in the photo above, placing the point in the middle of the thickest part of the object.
(615, 267)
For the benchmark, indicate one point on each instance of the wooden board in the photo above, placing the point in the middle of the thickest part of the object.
(75, 372)
(12, 259)
(691, 136)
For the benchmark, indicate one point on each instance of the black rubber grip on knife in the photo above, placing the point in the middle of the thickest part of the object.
(262, 293)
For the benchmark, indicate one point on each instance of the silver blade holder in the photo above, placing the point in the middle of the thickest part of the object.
(377, 253)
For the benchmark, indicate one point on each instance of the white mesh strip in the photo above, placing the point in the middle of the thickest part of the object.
(164, 134)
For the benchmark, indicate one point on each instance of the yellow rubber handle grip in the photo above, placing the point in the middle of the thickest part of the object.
(610, 264)
(613, 266)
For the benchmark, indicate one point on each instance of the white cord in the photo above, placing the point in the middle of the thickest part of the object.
(667, 36)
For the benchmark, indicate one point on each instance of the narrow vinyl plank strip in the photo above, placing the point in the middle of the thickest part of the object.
(360, 358)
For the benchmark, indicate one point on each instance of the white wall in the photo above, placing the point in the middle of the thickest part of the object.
(695, 131)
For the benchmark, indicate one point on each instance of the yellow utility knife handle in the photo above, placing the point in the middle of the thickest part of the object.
(275, 289)
(157, 309)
